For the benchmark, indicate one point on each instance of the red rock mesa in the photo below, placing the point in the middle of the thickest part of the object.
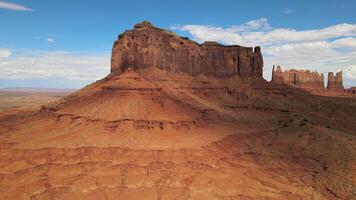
(335, 82)
(351, 90)
(148, 46)
(300, 78)
(148, 132)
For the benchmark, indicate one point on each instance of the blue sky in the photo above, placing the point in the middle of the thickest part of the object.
(68, 43)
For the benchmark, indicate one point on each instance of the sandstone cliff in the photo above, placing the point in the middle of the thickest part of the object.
(351, 90)
(301, 78)
(148, 46)
(157, 134)
(335, 81)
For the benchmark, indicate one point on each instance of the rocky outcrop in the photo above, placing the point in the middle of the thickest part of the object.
(148, 46)
(300, 78)
(351, 90)
(335, 82)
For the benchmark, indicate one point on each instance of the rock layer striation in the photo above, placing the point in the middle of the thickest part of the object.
(147, 46)
(158, 134)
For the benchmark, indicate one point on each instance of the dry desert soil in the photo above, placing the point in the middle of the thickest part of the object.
(153, 134)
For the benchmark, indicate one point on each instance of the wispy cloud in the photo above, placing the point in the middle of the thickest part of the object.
(288, 11)
(14, 6)
(5, 53)
(55, 64)
(50, 40)
(327, 49)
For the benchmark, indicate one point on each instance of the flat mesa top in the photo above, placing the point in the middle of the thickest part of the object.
(148, 46)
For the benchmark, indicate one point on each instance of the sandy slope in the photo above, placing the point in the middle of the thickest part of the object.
(151, 134)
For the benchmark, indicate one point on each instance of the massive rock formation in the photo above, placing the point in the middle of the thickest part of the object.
(301, 78)
(148, 46)
(335, 82)
(157, 134)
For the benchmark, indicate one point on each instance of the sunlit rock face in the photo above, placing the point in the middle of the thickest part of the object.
(300, 78)
(148, 46)
(146, 132)
(335, 82)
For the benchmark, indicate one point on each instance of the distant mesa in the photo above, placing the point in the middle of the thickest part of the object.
(300, 78)
(308, 80)
(147, 46)
(351, 90)
(335, 82)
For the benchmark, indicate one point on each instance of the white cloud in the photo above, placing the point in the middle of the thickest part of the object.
(4, 53)
(243, 34)
(257, 24)
(349, 42)
(51, 40)
(327, 49)
(288, 11)
(59, 64)
(14, 6)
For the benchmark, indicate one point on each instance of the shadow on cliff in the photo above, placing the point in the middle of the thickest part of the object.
(331, 110)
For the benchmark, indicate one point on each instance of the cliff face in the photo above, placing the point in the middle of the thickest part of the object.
(300, 78)
(335, 81)
(148, 46)
(351, 90)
